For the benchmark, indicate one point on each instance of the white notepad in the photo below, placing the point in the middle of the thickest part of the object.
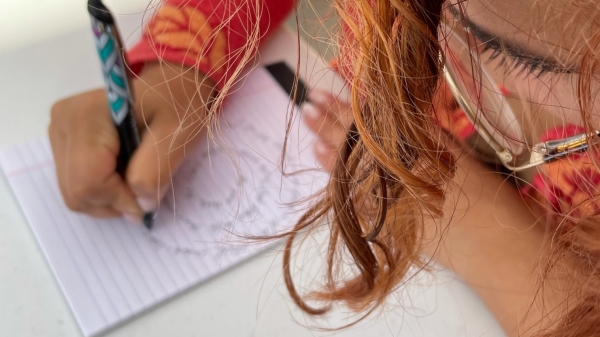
(110, 271)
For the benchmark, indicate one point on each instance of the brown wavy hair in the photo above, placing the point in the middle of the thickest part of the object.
(395, 166)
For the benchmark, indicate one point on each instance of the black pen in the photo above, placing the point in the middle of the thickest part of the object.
(118, 88)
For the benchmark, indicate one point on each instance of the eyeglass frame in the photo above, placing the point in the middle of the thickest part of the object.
(540, 153)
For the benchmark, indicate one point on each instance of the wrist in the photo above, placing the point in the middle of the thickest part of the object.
(174, 87)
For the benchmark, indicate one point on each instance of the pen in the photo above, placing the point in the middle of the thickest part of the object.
(118, 88)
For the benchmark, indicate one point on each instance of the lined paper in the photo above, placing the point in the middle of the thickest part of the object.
(110, 271)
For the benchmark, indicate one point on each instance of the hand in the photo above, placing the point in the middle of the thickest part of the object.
(329, 117)
(170, 110)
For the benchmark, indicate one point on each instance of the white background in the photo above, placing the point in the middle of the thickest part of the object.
(24, 22)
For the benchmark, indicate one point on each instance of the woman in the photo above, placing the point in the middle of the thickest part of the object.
(410, 176)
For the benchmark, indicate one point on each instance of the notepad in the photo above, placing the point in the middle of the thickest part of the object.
(110, 271)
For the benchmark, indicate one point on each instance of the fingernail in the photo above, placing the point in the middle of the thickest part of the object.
(310, 111)
(318, 97)
(321, 148)
(148, 204)
(134, 219)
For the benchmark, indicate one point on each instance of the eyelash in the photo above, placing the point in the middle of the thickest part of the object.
(514, 61)
(520, 64)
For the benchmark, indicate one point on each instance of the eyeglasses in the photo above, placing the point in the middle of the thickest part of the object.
(482, 101)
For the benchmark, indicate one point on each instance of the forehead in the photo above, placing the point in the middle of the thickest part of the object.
(555, 24)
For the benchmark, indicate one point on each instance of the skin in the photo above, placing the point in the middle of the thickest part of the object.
(476, 250)
(169, 108)
(496, 245)
(491, 239)
(558, 31)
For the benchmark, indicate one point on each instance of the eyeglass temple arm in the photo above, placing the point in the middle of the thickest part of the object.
(544, 152)
(483, 132)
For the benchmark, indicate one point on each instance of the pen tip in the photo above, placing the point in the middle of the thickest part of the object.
(148, 220)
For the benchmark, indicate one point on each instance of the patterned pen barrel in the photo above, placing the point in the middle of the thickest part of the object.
(120, 98)
(118, 88)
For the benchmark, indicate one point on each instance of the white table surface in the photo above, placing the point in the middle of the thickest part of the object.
(248, 300)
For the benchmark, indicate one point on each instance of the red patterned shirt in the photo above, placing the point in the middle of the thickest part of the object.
(211, 35)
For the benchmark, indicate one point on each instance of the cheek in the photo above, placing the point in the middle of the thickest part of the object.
(540, 103)
(547, 102)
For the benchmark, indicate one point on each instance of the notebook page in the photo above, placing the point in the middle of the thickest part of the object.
(110, 271)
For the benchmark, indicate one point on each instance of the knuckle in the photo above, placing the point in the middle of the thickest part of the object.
(82, 191)
(143, 187)
(75, 205)
(56, 112)
(55, 132)
(316, 128)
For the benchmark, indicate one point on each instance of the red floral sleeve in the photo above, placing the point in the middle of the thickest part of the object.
(211, 35)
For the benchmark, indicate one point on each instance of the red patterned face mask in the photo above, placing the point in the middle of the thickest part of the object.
(568, 187)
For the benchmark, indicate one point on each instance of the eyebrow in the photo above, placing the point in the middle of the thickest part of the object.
(496, 43)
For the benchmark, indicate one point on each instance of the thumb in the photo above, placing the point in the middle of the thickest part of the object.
(162, 149)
